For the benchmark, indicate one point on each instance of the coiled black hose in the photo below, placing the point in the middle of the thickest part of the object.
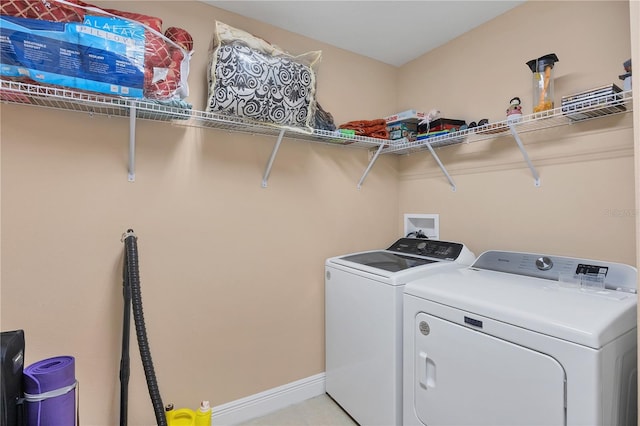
(132, 280)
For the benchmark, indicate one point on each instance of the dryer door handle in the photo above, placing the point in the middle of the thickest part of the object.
(426, 371)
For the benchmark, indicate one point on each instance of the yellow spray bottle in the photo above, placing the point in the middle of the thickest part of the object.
(203, 414)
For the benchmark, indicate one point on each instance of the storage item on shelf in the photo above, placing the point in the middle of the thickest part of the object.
(448, 124)
(80, 46)
(422, 136)
(415, 125)
(346, 132)
(514, 111)
(323, 119)
(542, 69)
(34, 9)
(402, 129)
(626, 77)
(376, 128)
(253, 79)
(410, 115)
(591, 103)
(64, 54)
(169, 82)
(405, 124)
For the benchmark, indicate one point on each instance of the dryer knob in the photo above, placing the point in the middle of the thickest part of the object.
(544, 263)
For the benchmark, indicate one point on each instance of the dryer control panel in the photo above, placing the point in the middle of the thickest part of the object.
(570, 271)
(445, 250)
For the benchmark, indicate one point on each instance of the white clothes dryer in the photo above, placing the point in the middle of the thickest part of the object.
(522, 339)
(363, 319)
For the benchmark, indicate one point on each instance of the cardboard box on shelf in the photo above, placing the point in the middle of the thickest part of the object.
(402, 129)
(403, 125)
(399, 134)
(410, 116)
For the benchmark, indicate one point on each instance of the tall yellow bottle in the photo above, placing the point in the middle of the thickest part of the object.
(203, 414)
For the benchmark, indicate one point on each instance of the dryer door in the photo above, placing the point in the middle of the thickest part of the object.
(466, 377)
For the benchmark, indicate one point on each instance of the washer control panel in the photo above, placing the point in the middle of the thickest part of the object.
(430, 248)
(571, 271)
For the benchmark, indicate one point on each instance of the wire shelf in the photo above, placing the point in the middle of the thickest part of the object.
(597, 107)
(242, 125)
(60, 98)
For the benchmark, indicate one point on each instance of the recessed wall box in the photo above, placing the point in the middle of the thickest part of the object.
(429, 224)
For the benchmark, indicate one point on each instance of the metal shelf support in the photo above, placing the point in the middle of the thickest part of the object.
(368, 169)
(132, 142)
(267, 170)
(536, 176)
(444, 170)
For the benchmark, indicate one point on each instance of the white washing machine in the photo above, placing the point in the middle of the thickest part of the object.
(522, 339)
(363, 318)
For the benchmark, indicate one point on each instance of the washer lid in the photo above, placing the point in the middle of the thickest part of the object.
(405, 260)
(591, 318)
(387, 267)
(387, 261)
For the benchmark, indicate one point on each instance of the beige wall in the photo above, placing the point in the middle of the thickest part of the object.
(585, 205)
(232, 273)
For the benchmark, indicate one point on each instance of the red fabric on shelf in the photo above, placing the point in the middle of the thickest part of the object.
(371, 128)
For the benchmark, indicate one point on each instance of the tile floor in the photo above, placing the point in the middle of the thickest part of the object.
(318, 411)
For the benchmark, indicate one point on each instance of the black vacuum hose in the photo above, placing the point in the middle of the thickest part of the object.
(124, 360)
(133, 277)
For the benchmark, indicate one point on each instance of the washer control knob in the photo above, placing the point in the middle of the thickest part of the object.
(544, 263)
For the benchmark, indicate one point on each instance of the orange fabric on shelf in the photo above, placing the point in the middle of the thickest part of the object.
(363, 123)
(380, 134)
(371, 128)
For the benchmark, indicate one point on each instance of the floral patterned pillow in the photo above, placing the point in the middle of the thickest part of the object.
(250, 78)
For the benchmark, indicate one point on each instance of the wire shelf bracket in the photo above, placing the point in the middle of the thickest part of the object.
(534, 172)
(371, 162)
(444, 170)
(272, 158)
(132, 142)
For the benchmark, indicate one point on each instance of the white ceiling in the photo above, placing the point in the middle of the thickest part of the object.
(393, 32)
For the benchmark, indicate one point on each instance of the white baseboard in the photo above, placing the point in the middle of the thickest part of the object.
(244, 409)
